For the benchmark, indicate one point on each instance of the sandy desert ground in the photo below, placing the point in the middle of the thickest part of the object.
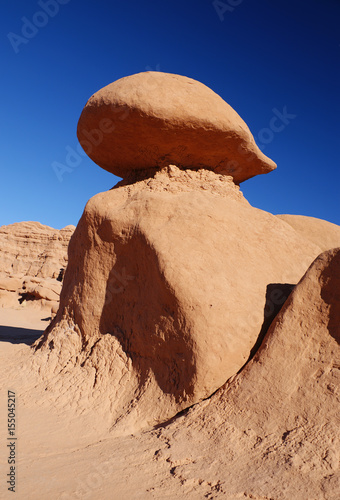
(271, 432)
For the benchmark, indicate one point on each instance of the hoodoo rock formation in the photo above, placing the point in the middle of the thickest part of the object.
(179, 294)
(155, 119)
(166, 290)
(169, 277)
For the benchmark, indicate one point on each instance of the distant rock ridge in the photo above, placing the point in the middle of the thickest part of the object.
(31, 257)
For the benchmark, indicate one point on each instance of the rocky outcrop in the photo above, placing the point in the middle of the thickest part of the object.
(320, 232)
(31, 258)
(178, 295)
(270, 432)
(273, 430)
(155, 119)
(165, 293)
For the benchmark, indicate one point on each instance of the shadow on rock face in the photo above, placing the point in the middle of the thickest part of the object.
(164, 293)
(276, 296)
(155, 337)
(330, 293)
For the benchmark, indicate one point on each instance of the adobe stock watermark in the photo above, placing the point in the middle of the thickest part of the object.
(277, 124)
(222, 7)
(75, 155)
(157, 68)
(93, 138)
(117, 283)
(31, 27)
(92, 483)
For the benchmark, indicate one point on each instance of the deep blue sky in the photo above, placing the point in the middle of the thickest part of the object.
(263, 55)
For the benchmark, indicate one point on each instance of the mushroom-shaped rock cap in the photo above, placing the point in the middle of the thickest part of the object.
(154, 119)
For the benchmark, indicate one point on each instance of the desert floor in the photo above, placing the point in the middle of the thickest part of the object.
(242, 443)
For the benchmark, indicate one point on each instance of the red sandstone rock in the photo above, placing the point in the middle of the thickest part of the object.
(321, 232)
(154, 119)
(31, 256)
(165, 291)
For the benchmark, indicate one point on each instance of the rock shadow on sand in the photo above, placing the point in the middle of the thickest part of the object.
(15, 335)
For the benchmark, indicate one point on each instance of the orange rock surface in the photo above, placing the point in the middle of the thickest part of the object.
(31, 257)
(165, 292)
(154, 119)
(196, 350)
(321, 232)
(270, 432)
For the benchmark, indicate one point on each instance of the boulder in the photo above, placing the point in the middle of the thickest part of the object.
(36, 288)
(10, 284)
(321, 232)
(165, 293)
(154, 119)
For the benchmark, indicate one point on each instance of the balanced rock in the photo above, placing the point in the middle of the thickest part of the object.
(165, 293)
(155, 119)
